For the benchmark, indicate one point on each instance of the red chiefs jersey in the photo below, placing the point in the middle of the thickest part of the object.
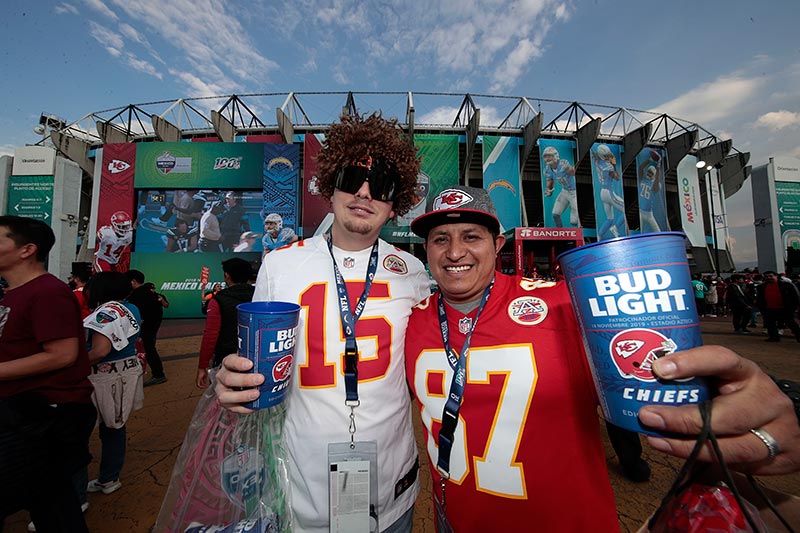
(527, 447)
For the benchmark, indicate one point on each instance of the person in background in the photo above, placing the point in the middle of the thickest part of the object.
(162, 299)
(750, 292)
(699, 294)
(778, 301)
(220, 332)
(116, 374)
(80, 279)
(152, 313)
(208, 295)
(739, 304)
(722, 300)
(46, 411)
(711, 297)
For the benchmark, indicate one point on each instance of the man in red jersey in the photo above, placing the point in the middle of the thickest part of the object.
(507, 400)
(46, 411)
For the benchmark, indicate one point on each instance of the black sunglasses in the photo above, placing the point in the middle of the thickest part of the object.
(381, 179)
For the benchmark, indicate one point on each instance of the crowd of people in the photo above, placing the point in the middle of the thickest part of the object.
(507, 402)
(748, 295)
(68, 359)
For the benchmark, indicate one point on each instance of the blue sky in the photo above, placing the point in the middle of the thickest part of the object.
(731, 66)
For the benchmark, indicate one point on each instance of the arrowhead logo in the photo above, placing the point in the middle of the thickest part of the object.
(116, 166)
(451, 199)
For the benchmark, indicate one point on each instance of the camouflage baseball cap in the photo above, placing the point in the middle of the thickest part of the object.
(459, 204)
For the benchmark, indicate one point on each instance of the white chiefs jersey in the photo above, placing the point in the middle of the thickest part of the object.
(111, 246)
(316, 414)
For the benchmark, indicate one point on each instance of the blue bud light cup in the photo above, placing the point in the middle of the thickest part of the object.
(267, 336)
(634, 301)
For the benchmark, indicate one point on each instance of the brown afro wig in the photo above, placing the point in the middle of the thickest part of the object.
(356, 137)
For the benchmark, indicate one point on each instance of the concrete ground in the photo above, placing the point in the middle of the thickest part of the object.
(155, 434)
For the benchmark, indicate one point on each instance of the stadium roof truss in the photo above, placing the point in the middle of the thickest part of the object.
(470, 115)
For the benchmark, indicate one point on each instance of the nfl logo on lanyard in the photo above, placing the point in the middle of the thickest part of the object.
(464, 325)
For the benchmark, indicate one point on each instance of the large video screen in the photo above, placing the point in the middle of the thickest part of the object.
(200, 221)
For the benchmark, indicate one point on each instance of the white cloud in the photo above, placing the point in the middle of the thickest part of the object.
(100, 7)
(7, 149)
(778, 120)
(714, 100)
(64, 7)
(213, 48)
(113, 42)
(143, 66)
(439, 115)
(514, 65)
(462, 39)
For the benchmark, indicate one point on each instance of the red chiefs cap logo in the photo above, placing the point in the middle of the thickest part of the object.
(451, 199)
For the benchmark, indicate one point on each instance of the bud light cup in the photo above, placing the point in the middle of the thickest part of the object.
(634, 302)
(267, 336)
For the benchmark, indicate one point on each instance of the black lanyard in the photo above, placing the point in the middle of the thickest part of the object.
(349, 320)
(459, 365)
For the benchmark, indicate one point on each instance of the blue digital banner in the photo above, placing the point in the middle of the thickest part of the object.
(281, 179)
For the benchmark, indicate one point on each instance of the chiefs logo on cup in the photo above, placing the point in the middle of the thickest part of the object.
(634, 351)
(392, 263)
(282, 369)
(527, 310)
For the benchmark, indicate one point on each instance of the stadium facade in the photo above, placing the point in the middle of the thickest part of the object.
(599, 170)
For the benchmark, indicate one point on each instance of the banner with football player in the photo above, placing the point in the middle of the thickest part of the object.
(501, 177)
(559, 192)
(439, 170)
(609, 201)
(315, 206)
(652, 193)
(114, 208)
(201, 165)
(280, 185)
(689, 200)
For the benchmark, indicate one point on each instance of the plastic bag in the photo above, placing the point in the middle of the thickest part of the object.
(231, 473)
(690, 507)
(703, 508)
